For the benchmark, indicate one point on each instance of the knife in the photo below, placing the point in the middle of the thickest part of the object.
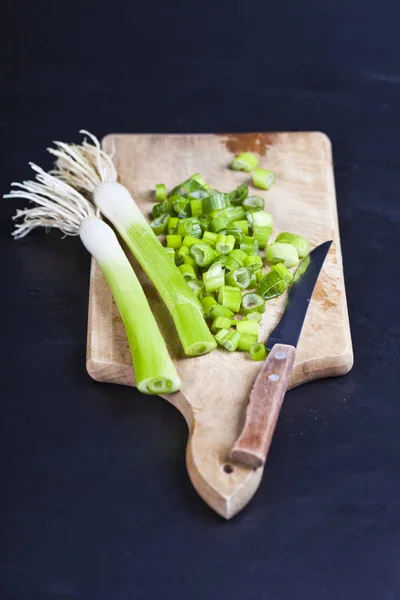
(252, 446)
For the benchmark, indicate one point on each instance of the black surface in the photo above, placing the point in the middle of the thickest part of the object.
(95, 502)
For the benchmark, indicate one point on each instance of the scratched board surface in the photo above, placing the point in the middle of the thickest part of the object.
(215, 387)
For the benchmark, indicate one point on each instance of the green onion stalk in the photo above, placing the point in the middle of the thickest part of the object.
(58, 205)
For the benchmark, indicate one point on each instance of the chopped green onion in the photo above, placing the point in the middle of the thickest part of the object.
(258, 352)
(196, 207)
(215, 202)
(189, 240)
(236, 232)
(216, 310)
(203, 254)
(282, 253)
(218, 224)
(253, 203)
(154, 370)
(239, 195)
(159, 225)
(160, 209)
(224, 243)
(191, 227)
(205, 294)
(228, 339)
(117, 205)
(199, 194)
(161, 192)
(253, 263)
(214, 278)
(220, 323)
(248, 327)
(263, 179)
(271, 285)
(239, 278)
(210, 238)
(189, 260)
(252, 302)
(246, 341)
(239, 255)
(283, 271)
(230, 263)
(196, 285)
(197, 177)
(254, 316)
(260, 219)
(253, 280)
(249, 245)
(230, 297)
(298, 241)
(207, 302)
(174, 240)
(259, 275)
(173, 225)
(233, 213)
(171, 253)
(243, 225)
(187, 271)
(204, 223)
(181, 254)
(244, 162)
(181, 206)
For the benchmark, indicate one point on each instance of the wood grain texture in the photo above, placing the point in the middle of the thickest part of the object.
(216, 387)
(262, 411)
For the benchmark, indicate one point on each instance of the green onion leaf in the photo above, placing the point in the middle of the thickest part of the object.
(298, 241)
(239, 195)
(253, 203)
(190, 226)
(159, 225)
(160, 209)
(282, 253)
(283, 271)
(271, 285)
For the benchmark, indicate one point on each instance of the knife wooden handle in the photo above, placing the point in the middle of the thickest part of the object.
(266, 396)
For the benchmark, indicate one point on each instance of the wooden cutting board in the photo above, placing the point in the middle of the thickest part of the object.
(215, 387)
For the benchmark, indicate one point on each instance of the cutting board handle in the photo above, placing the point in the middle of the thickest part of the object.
(266, 396)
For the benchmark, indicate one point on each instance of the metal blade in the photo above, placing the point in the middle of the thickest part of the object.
(289, 327)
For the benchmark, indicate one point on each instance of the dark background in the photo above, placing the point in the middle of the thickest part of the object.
(96, 503)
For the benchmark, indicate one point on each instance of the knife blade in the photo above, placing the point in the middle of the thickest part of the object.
(266, 397)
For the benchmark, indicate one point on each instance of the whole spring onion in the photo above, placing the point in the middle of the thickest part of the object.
(258, 352)
(61, 206)
(263, 179)
(282, 253)
(298, 241)
(244, 162)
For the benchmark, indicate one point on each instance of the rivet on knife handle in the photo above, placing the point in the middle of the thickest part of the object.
(252, 446)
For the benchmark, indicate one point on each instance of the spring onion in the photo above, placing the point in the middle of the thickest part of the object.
(161, 192)
(244, 162)
(237, 233)
(247, 326)
(196, 207)
(271, 285)
(246, 342)
(159, 224)
(189, 240)
(214, 278)
(207, 302)
(253, 263)
(210, 238)
(224, 243)
(230, 297)
(218, 224)
(239, 255)
(252, 302)
(173, 225)
(171, 253)
(243, 225)
(239, 278)
(249, 245)
(258, 352)
(189, 260)
(203, 254)
(239, 195)
(220, 323)
(230, 263)
(160, 209)
(190, 227)
(216, 310)
(174, 240)
(117, 205)
(187, 271)
(181, 206)
(215, 202)
(298, 241)
(253, 203)
(254, 316)
(283, 271)
(181, 254)
(196, 285)
(282, 253)
(263, 179)
(228, 339)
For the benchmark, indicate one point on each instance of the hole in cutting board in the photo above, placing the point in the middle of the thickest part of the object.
(228, 468)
